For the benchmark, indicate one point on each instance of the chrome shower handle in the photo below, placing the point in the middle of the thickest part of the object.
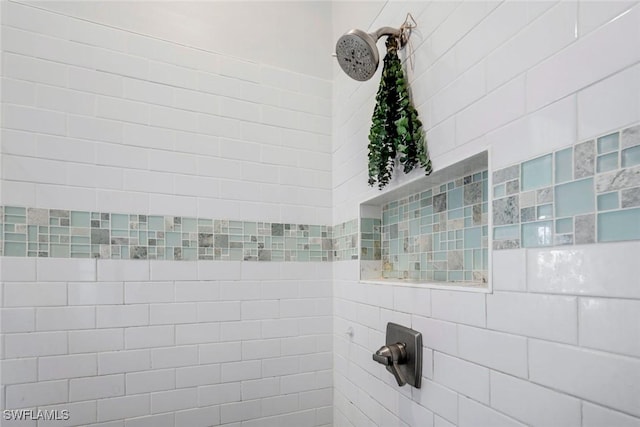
(391, 356)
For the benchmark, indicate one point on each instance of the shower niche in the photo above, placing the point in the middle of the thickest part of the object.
(433, 231)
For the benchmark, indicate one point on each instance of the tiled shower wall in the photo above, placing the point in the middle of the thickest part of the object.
(556, 342)
(131, 140)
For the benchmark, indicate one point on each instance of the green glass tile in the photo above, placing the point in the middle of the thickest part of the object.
(32, 246)
(120, 222)
(477, 259)
(608, 162)
(62, 231)
(80, 255)
(485, 207)
(302, 256)
(455, 276)
(80, 239)
(443, 188)
(15, 237)
(485, 230)
(156, 223)
(32, 233)
(545, 211)
(485, 191)
(472, 237)
(60, 251)
(499, 191)
(564, 225)
(631, 156)
(54, 221)
(468, 222)
(451, 185)
(451, 235)
(468, 260)
(414, 227)
(619, 225)
(608, 143)
(536, 173)
(80, 219)
(574, 198)
(506, 233)
(15, 249)
(9, 228)
(119, 233)
(189, 225)
(608, 201)
(485, 259)
(13, 210)
(535, 234)
(451, 245)
(564, 165)
(80, 248)
(15, 219)
(454, 198)
(440, 256)
(455, 214)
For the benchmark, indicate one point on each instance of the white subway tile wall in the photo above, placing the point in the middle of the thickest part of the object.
(556, 341)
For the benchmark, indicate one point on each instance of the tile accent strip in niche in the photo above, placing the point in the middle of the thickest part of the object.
(586, 193)
(76, 234)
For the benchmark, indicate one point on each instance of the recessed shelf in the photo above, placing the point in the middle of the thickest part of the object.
(433, 231)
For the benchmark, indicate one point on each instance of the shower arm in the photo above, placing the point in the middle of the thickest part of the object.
(399, 33)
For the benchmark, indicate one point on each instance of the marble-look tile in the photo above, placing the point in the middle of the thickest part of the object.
(544, 195)
(585, 229)
(630, 136)
(584, 159)
(138, 252)
(426, 242)
(477, 214)
(221, 240)
(99, 236)
(506, 211)
(454, 260)
(630, 197)
(506, 174)
(205, 240)
(618, 179)
(528, 214)
(527, 199)
(440, 202)
(473, 193)
(277, 229)
(513, 187)
(37, 216)
(563, 239)
(506, 244)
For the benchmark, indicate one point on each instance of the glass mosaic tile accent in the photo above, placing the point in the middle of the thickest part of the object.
(78, 234)
(345, 241)
(370, 239)
(440, 234)
(594, 194)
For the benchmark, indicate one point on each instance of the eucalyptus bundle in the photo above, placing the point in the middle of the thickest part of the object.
(395, 128)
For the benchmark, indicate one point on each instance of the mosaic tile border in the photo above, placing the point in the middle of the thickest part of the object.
(32, 232)
(586, 193)
(440, 234)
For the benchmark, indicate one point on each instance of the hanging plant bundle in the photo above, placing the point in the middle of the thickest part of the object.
(395, 126)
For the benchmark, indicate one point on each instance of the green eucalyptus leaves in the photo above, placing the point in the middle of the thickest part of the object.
(396, 128)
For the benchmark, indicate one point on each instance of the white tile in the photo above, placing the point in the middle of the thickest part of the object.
(301, 345)
(122, 110)
(173, 400)
(34, 294)
(16, 371)
(197, 291)
(240, 110)
(94, 81)
(596, 416)
(219, 393)
(172, 75)
(592, 15)
(83, 413)
(111, 200)
(609, 104)
(610, 325)
(279, 405)
(473, 414)
(123, 407)
(33, 170)
(121, 64)
(238, 371)
(149, 137)
(191, 376)
(219, 270)
(173, 118)
(244, 290)
(551, 317)
(35, 70)
(64, 100)
(36, 394)
(240, 411)
(66, 270)
(173, 205)
(17, 269)
(280, 366)
(163, 420)
(219, 311)
(562, 367)
(258, 310)
(94, 129)
(545, 85)
(256, 389)
(467, 378)
(65, 318)
(170, 270)
(459, 307)
(196, 101)
(113, 316)
(35, 344)
(243, 330)
(544, 406)
(145, 91)
(436, 334)
(585, 270)
(123, 361)
(542, 38)
(32, 19)
(502, 352)
(149, 336)
(174, 357)
(147, 381)
(33, 119)
(19, 143)
(316, 398)
(220, 352)
(19, 193)
(148, 182)
(460, 93)
(148, 292)
(94, 176)
(509, 270)
(91, 341)
(497, 108)
(201, 417)
(95, 293)
(96, 387)
(438, 399)
(171, 161)
(198, 333)
(121, 155)
(441, 422)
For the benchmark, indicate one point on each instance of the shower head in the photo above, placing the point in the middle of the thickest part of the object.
(357, 52)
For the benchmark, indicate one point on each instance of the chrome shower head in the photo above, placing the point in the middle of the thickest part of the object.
(357, 52)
